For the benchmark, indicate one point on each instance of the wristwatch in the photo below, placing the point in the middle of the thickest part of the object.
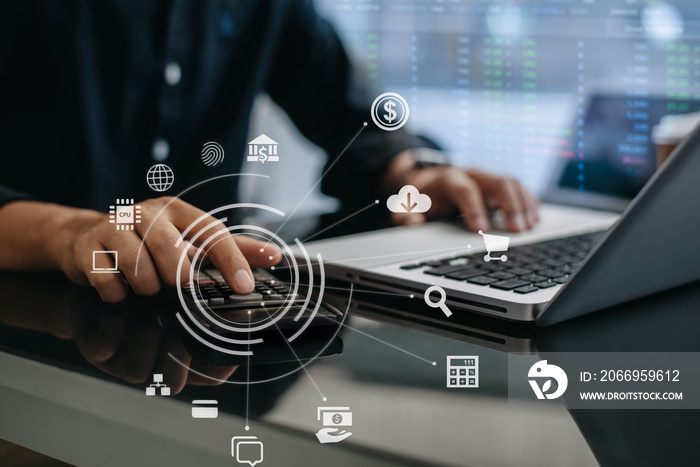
(428, 157)
(422, 158)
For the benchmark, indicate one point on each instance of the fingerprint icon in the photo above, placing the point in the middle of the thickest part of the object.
(212, 153)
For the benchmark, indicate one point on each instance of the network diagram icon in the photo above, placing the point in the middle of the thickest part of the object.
(158, 386)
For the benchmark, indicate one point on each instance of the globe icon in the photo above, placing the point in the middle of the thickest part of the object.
(160, 177)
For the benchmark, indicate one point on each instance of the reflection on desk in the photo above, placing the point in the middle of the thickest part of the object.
(73, 363)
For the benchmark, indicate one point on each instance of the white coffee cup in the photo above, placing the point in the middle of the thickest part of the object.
(670, 132)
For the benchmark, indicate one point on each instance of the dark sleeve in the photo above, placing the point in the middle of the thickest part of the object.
(12, 17)
(312, 80)
(8, 195)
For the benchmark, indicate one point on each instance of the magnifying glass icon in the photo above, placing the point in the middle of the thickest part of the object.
(440, 303)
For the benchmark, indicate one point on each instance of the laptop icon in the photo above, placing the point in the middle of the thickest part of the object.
(105, 262)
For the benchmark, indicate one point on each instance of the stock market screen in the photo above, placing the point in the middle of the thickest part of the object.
(508, 85)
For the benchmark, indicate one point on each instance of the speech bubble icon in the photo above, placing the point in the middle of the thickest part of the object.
(247, 450)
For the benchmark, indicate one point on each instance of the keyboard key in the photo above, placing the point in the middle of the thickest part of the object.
(482, 280)
(555, 263)
(501, 275)
(510, 284)
(527, 259)
(537, 267)
(545, 284)
(433, 264)
(526, 289)
(408, 267)
(569, 268)
(465, 273)
(550, 273)
(251, 297)
(497, 266)
(518, 271)
(532, 277)
(442, 270)
(561, 279)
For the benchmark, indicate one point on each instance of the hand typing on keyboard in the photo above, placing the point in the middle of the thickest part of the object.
(77, 233)
(473, 192)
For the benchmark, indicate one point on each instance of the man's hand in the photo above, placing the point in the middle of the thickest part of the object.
(41, 235)
(473, 192)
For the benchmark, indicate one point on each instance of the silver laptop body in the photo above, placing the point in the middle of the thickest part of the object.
(651, 247)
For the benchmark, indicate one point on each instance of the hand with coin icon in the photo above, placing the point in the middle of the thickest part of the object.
(332, 435)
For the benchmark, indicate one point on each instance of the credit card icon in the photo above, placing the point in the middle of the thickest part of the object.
(205, 409)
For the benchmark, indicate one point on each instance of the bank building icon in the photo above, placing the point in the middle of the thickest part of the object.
(263, 149)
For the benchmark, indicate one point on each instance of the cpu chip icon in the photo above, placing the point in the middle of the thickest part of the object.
(125, 214)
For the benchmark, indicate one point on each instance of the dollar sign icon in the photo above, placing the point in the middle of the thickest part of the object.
(391, 115)
(390, 111)
(337, 418)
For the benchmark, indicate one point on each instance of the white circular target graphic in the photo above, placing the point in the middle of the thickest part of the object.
(241, 335)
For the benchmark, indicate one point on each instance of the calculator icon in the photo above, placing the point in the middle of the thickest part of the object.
(462, 371)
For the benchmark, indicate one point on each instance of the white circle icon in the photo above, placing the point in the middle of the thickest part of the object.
(160, 177)
(389, 111)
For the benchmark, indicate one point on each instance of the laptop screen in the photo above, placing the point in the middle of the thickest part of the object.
(615, 154)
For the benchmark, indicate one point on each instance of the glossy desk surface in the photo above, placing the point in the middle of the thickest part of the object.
(58, 341)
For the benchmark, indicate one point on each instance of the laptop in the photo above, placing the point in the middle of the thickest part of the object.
(583, 256)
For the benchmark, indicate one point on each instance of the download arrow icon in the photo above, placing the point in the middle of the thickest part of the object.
(408, 199)
(408, 203)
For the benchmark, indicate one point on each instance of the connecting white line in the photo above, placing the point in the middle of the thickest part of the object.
(391, 345)
(376, 292)
(376, 201)
(387, 256)
(247, 379)
(388, 344)
(364, 125)
(223, 381)
(303, 367)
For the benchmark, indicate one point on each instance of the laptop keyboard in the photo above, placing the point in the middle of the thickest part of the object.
(529, 268)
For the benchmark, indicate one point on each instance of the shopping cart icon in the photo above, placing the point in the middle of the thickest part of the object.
(495, 243)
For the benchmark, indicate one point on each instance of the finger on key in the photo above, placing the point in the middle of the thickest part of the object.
(222, 248)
